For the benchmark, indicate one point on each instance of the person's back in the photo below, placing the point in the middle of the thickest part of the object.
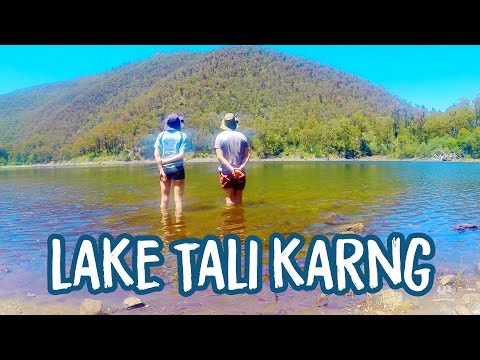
(233, 145)
(169, 150)
(170, 143)
(231, 148)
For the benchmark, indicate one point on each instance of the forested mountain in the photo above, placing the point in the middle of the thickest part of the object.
(286, 105)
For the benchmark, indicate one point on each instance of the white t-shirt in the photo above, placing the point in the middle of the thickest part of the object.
(233, 145)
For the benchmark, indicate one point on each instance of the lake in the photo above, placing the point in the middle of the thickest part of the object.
(282, 197)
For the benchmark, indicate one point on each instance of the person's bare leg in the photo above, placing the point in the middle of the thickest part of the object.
(165, 218)
(178, 187)
(238, 196)
(165, 192)
(229, 196)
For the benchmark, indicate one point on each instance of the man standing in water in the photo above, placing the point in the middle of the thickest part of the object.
(231, 148)
(169, 151)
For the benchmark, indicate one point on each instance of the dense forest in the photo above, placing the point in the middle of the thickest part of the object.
(288, 107)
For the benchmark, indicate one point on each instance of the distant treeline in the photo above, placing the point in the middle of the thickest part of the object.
(287, 107)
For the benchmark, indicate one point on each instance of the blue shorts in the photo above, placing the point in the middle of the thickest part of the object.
(174, 172)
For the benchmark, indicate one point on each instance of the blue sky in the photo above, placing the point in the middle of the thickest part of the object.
(434, 76)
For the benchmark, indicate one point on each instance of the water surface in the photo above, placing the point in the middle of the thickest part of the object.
(280, 197)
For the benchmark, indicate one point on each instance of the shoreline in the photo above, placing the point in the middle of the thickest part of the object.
(214, 160)
(460, 297)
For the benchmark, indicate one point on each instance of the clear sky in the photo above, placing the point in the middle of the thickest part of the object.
(434, 76)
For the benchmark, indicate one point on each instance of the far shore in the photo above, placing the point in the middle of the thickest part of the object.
(96, 163)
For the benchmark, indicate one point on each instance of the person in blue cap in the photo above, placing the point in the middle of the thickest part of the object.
(169, 151)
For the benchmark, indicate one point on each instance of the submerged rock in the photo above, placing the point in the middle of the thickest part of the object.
(465, 227)
(475, 308)
(470, 298)
(333, 218)
(91, 307)
(446, 279)
(445, 310)
(355, 228)
(133, 303)
(388, 301)
(462, 310)
(322, 300)
(389, 296)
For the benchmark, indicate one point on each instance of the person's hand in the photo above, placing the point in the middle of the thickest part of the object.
(232, 170)
(238, 173)
(163, 176)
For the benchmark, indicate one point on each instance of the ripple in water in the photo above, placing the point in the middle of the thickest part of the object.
(280, 197)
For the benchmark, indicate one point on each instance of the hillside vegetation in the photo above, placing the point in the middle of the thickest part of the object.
(287, 107)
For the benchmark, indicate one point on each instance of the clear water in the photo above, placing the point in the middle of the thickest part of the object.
(280, 197)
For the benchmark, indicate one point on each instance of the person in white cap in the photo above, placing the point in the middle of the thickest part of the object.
(231, 148)
(169, 151)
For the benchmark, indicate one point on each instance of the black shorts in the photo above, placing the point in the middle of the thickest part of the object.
(174, 173)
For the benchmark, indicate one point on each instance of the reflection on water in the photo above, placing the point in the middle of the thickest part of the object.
(282, 197)
(173, 226)
(232, 220)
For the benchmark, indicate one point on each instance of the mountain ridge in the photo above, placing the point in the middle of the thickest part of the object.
(287, 105)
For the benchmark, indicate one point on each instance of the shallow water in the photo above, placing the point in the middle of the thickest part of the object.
(280, 197)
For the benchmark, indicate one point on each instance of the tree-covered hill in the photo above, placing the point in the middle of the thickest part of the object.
(286, 105)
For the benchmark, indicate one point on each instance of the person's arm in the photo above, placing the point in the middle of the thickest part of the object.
(224, 161)
(159, 163)
(156, 146)
(181, 151)
(173, 158)
(158, 160)
(246, 155)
